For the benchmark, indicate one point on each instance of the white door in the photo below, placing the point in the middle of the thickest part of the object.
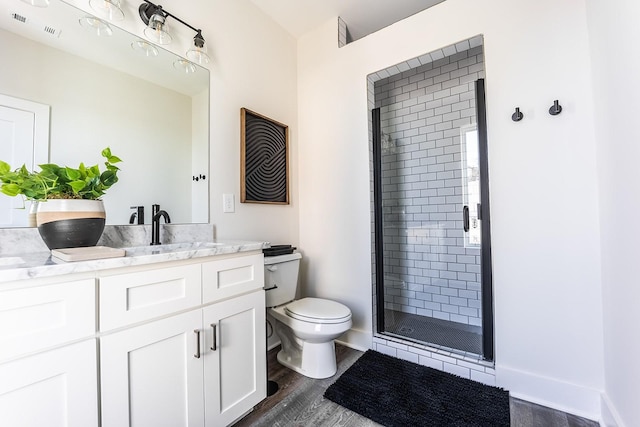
(235, 367)
(56, 388)
(150, 376)
(24, 139)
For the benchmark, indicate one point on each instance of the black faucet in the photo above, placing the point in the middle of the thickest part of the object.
(139, 213)
(156, 214)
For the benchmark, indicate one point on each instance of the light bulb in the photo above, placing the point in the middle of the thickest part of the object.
(96, 25)
(156, 29)
(109, 9)
(145, 48)
(185, 66)
(198, 55)
(198, 52)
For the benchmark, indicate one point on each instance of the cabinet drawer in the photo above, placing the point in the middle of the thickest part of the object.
(35, 318)
(231, 276)
(130, 298)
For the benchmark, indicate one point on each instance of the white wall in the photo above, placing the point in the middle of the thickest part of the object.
(544, 194)
(254, 67)
(614, 35)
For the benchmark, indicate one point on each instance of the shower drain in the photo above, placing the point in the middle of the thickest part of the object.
(405, 330)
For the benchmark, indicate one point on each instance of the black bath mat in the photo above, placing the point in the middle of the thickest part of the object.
(395, 392)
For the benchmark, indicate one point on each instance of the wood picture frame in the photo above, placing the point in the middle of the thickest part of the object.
(264, 165)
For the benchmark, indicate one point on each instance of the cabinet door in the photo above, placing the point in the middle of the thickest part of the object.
(53, 388)
(235, 367)
(150, 375)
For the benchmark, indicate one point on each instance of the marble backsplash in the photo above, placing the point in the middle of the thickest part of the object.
(27, 240)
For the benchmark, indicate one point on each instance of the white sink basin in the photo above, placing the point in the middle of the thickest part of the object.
(172, 247)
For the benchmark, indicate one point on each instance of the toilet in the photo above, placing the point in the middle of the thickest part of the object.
(306, 327)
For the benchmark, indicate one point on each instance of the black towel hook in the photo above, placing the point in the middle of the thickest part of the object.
(555, 109)
(517, 116)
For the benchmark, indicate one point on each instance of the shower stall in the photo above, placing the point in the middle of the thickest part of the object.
(430, 202)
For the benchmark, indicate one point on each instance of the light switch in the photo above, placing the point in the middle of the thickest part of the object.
(228, 203)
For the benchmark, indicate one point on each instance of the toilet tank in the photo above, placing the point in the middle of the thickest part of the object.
(281, 278)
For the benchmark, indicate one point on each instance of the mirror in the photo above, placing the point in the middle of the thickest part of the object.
(103, 93)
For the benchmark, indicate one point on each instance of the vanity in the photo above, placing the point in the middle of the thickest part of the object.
(171, 335)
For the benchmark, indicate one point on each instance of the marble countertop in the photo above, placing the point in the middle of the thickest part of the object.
(20, 266)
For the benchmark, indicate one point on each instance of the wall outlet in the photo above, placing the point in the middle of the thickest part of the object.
(228, 203)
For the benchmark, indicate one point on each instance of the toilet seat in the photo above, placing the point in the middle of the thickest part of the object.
(318, 310)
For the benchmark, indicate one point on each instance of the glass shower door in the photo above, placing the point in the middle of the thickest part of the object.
(429, 227)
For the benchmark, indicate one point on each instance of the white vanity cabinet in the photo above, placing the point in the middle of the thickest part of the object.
(48, 366)
(175, 352)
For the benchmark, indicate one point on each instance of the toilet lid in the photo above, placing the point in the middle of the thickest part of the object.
(318, 310)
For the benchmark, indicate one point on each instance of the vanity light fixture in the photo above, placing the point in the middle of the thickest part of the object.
(185, 66)
(37, 3)
(154, 17)
(96, 25)
(198, 52)
(144, 48)
(109, 9)
(156, 25)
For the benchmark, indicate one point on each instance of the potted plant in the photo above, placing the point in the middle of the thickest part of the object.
(70, 212)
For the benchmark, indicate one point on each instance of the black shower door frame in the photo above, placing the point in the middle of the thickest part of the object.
(483, 215)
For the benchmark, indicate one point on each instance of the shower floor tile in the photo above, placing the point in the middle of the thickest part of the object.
(428, 330)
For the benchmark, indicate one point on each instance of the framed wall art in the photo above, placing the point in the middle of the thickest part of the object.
(264, 159)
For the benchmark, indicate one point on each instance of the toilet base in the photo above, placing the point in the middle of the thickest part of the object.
(316, 360)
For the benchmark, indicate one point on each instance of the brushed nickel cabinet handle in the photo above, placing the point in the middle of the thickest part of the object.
(214, 346)
(197, 332)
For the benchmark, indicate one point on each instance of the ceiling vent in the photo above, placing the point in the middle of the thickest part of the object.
(34, 25)
(18, 17)
(51, 30)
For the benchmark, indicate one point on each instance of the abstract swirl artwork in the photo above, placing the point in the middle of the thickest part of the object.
(264, 165)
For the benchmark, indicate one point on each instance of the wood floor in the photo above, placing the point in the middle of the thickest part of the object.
(299, 403)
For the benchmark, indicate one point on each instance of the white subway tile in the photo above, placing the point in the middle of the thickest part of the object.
(414, 63)
(425, 82)
(453, 82)
(386, 350)
(444, 358)
(459, 318)
(431, 362)
(459, 72)
(443, 94)
(408, 356)
(457, 370)
(483, 378)
(476, 67)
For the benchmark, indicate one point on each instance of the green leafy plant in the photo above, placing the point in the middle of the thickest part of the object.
(60, 182)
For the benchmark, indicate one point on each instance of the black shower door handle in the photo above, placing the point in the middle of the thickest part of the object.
(465, 218)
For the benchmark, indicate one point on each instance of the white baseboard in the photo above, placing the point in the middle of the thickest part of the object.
(353, 338)
(356, 339)
(610, 416)
(567, 397)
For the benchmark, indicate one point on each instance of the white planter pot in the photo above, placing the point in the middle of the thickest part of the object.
(69, 223)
